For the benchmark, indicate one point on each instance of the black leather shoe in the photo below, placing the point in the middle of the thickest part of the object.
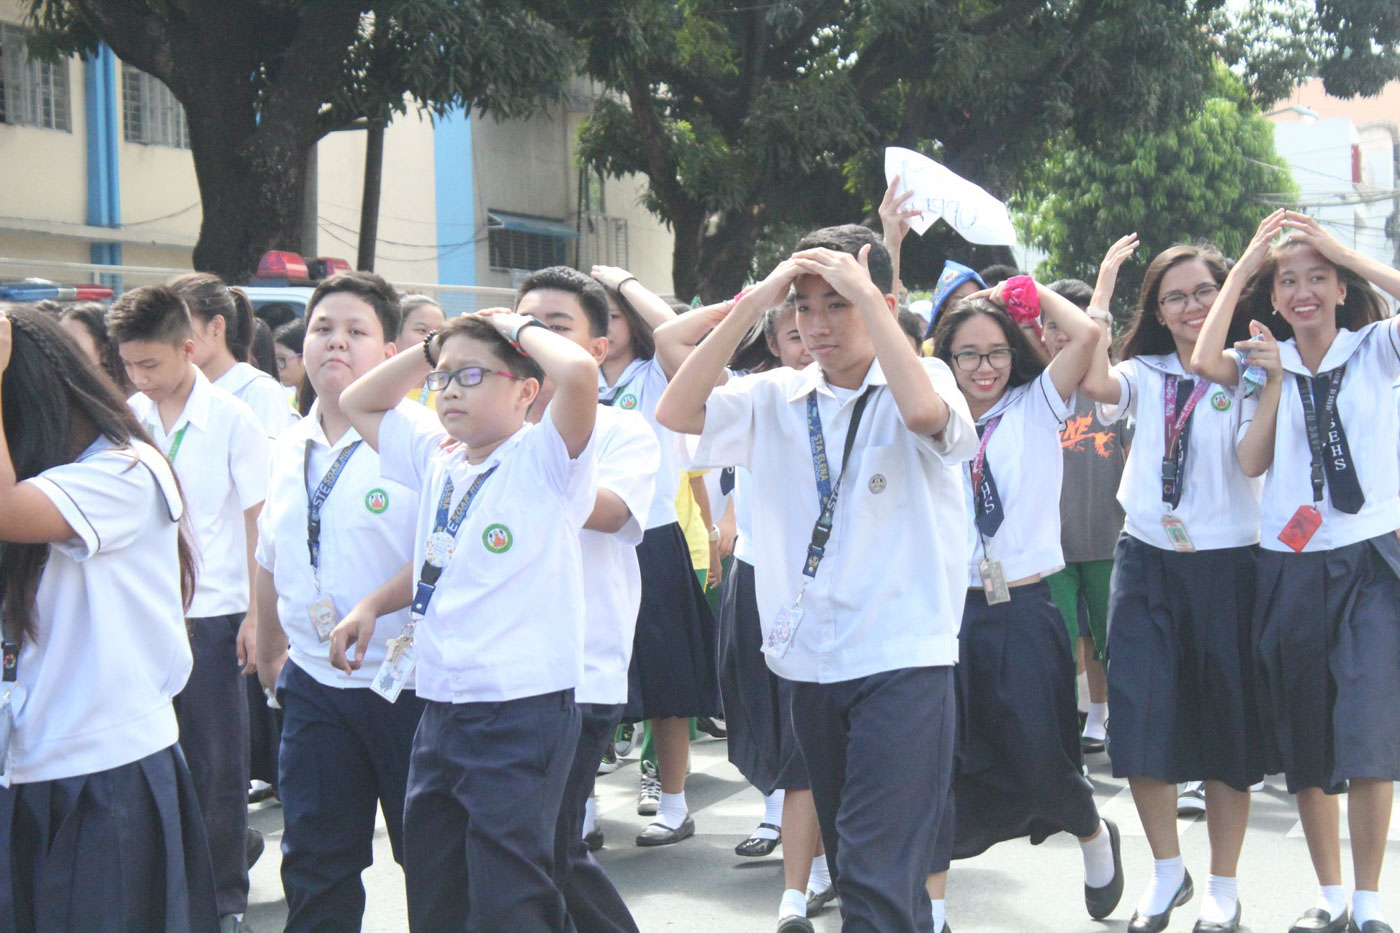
(1156, 923)
(711, 727)
(1370, 926)
(754, 847)
(252, 846)
(815, 902)
(795, 925)
(1101, 901)
(1317, 920)
(659, 834)
(594, 840)
(1211, 926)
(1090, 746)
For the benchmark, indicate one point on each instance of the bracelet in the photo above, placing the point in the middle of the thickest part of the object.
(514, 337)
(1099, 314)
(714, 534)
(630, 278)
(1022, 300)
(427, 348)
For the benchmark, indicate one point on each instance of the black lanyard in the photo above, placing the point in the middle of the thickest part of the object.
(429, 573)
(826, 489)
(317, 499)
(1313, 420)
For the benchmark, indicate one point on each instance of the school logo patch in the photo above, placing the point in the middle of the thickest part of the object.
(497, 539)
(377, 500)
(877, 483)
(628, 402)
(1220, 401)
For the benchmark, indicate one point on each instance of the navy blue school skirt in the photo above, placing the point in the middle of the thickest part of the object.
(1181, 697)
(1327, 640)
(757, 702)
(118, 851)
(675, 660)
(1018, 758)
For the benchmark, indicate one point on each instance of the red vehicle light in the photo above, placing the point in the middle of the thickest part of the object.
(280, 264)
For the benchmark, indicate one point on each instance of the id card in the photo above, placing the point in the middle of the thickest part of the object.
(323, 618)
(994, 581)
(1176, 533)
(12, 697)
(398, 664)
(784, 630)
(1301, 527)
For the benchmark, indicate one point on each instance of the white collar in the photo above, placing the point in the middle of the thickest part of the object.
(811, 378)
(1343, 347)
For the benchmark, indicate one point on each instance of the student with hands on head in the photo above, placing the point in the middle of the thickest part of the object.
(867, 647)
(1326, 627)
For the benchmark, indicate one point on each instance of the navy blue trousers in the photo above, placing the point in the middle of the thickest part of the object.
(213, 715)
(589, 895)
(879, 753)
(484, 785)
(344, 753)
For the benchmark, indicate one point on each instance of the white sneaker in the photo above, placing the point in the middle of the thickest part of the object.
(649, 797)
(1191, 799)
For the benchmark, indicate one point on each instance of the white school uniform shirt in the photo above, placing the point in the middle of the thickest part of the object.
(889, 592)
(1219, 504)
(638, 389)
(743, 516)
(260, 392)
(507, 618)
(222, 466)
(1028, 466)
(628, 456)
(1368, 415)
(110, 648)
(367, 529)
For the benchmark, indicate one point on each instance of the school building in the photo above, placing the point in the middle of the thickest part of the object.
(98, 170)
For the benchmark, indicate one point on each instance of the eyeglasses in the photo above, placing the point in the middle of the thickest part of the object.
(1176, 302)
(284, 361)
(466, 377)
(970, 360)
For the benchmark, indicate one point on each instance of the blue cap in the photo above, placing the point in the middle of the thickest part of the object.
(954, 275)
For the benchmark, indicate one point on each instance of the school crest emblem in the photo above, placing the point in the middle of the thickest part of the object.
(1220, 401)
(497, 539)
(627, 402)
(877, 483)
(377, 500)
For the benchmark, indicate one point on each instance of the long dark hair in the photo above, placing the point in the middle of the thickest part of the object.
(1362, 306)
(1149, 336)
(93, 317)
(643, 344)
(1027, 362)
(56, 402)
(208, 297)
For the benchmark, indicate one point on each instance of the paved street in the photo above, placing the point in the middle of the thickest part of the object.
(700, 885)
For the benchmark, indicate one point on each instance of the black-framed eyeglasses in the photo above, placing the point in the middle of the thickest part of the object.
(1176, 302)
(969, 360)
(466, 377)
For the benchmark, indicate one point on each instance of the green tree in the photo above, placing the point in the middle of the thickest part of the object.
(1210, 177)
(262, 80)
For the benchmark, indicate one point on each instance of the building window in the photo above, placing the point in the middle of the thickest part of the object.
(519, 241)
(32, 92)
(150, 113)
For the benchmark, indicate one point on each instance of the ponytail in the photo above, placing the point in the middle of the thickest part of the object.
(208, 297)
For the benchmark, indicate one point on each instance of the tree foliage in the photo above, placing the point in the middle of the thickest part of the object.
(1211, 177)
(262, 80)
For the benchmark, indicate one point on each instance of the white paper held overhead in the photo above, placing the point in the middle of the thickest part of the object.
(940, 192)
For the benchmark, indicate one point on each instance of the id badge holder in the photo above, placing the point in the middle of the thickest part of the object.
(994, 581)
(323, 618)
(398, 664)
(12, 697)
(1301, 527)
(784, 630)
(1177, 534)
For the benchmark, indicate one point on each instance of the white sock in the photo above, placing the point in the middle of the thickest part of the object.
(1333, 899)
(820, 877)
(793, 904)
(1167, 875)
(772, 812)
(590, 816)
(1222, 899)
(1365, 905)
(1098, 858)
(940, 914)
(1098, 718)
(671, 810)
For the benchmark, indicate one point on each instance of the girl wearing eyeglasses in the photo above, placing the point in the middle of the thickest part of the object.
(1018, 769)
(1179, 682)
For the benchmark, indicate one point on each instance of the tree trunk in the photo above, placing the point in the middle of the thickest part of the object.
(726, 255)
(687, 229)
(369, 199)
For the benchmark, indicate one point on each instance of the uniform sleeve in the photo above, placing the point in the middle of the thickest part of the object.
(1248, 405)
(1128, 377)
(727, 438)
(573, 479)
(1046, 403)
(958, 442)
(406, 447)
(627, 468)
(266, 551)
(248, 454)
(269, 402)
(106, 499)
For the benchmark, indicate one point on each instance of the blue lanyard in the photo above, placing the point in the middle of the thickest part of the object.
(317, 499)
(428, 574)
(826, 489)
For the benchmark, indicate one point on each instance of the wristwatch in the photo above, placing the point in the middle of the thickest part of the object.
(714, 534)
(514, 337)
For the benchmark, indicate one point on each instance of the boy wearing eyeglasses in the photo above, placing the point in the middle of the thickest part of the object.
(332, 532)
(496, 609)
